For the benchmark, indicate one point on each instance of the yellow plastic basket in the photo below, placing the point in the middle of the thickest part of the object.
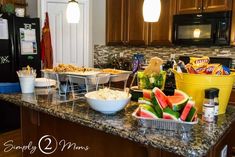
(195, 84)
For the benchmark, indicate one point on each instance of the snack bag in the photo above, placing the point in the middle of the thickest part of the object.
(200, 62)
(199, 70)
(181, 68)
(218, 70)
(210, 68)
(226, 70)
(190, 69)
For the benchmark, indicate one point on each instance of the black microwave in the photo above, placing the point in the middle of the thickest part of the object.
(202, 29)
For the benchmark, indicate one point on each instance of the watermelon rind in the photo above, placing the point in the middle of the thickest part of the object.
(160, 97)
(142, 100)
(157, 107)
(148, 109)
(191, 115)
(170, 113)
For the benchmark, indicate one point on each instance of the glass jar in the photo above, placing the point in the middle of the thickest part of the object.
(208, 106)
(216, 101)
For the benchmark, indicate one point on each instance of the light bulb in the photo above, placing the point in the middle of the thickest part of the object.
(73, 12)
(151, 10)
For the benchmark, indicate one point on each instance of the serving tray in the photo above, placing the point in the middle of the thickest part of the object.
(86, 73)
(164, 124)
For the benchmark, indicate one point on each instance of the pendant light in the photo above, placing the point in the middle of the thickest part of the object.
(151, 10)
(73, 12)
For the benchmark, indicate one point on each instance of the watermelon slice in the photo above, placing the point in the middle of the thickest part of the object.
(195, 118)
(144, 101)
(191, 115)
(148, 94)
(157, 107)
(160, 97)
(147, 111)
(186, 110)
(178, 100)
(168, 113)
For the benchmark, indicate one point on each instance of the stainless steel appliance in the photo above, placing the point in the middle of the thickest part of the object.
(202, 29)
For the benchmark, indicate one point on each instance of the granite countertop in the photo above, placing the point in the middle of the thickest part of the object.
(195, 143)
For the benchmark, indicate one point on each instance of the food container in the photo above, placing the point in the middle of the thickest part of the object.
(6, 88)
(107, 106)
(149, 82)
(27, 79)
(27, 84)
(164, 124)
(195, 84)
(117, 75)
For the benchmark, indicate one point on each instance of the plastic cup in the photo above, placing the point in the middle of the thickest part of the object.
(27, 84)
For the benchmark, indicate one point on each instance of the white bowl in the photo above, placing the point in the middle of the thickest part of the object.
(106, 106)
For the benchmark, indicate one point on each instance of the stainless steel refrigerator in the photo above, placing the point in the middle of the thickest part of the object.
(19, 46)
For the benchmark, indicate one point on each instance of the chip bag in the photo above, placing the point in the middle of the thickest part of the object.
(200, 62)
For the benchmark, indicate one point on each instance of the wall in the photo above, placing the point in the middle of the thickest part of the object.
(103, 54)
(98, 21)
(32, 9)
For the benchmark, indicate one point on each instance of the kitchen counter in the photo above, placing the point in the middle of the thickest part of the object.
(196, 143)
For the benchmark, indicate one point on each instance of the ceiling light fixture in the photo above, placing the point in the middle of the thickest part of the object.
(73, 12)
(151, 10)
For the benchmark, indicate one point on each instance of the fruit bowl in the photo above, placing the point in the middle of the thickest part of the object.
(104, 101)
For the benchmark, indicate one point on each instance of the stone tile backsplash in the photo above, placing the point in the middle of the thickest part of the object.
(102, 53)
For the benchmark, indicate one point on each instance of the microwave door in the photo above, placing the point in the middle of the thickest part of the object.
(194, 33)
(222, 35)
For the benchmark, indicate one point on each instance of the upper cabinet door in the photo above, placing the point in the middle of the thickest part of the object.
(20, 1)
(217, 5)
(136, 27)
(160, 32)
(115, 22)
(125, 23)
(189, 6)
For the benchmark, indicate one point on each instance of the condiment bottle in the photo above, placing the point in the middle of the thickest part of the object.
(208, 106)
(216, 101)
